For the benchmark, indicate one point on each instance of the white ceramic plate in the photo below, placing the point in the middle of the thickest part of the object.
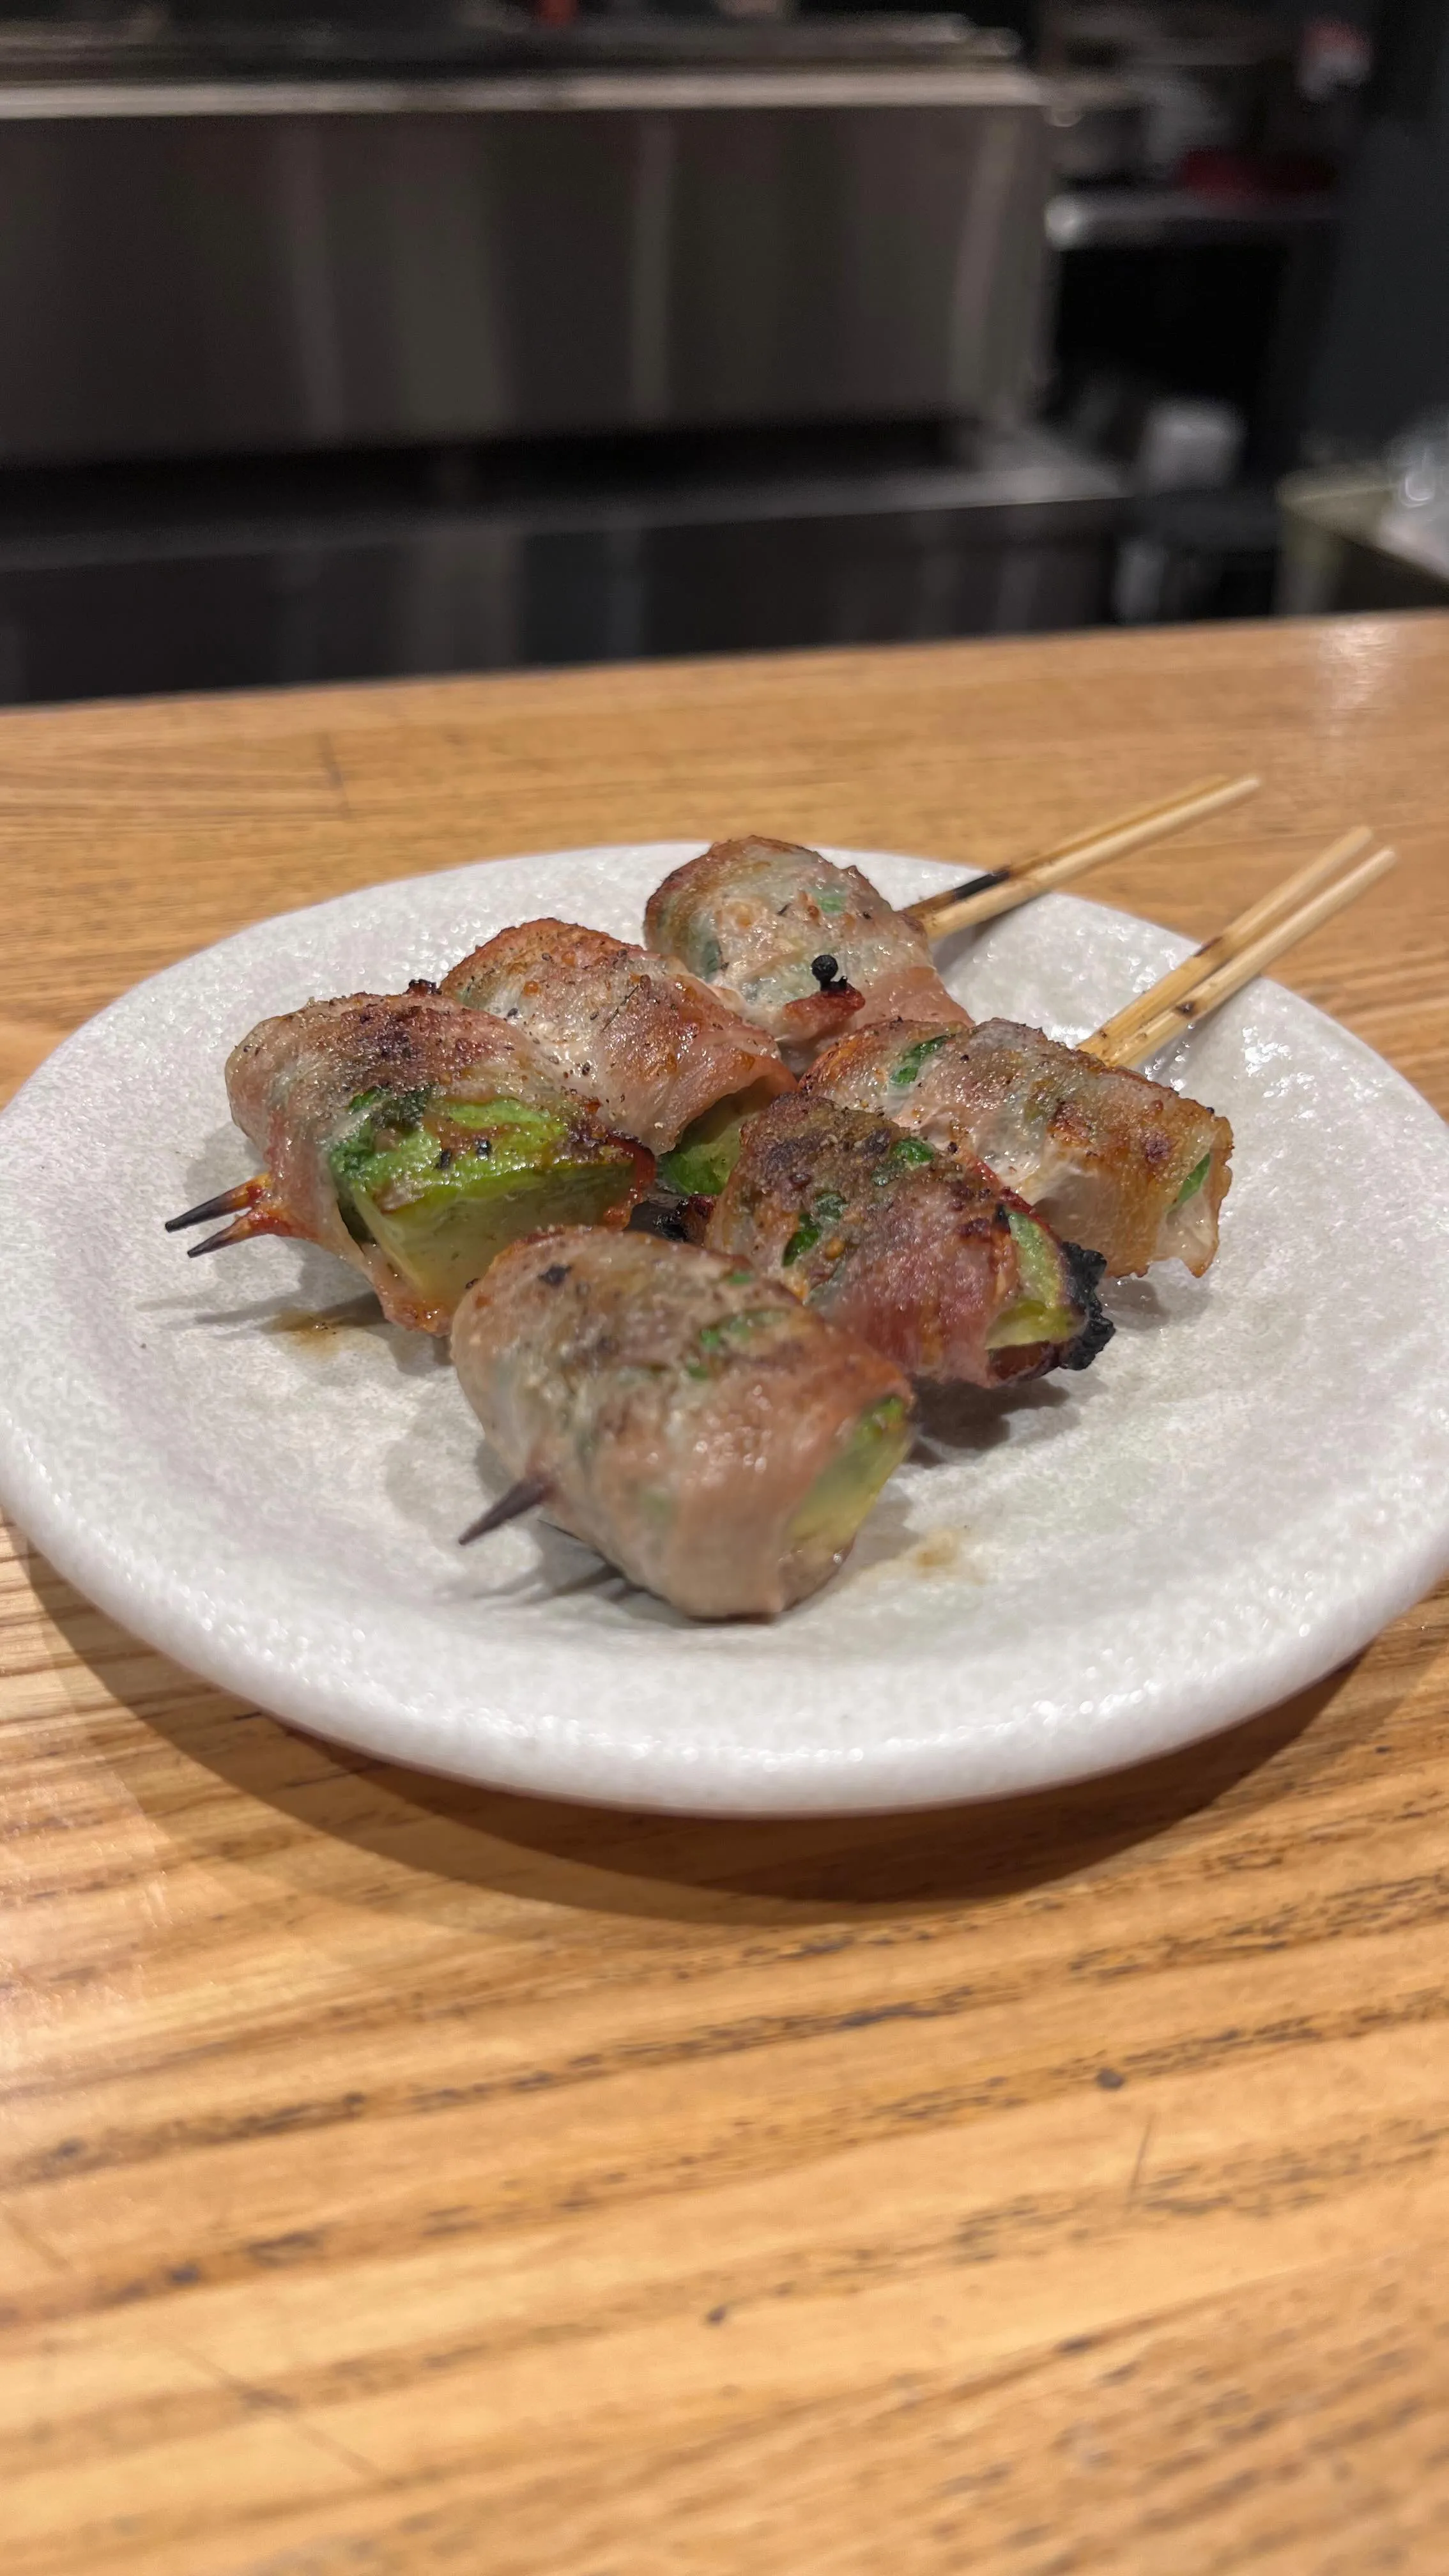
(1251, 1480)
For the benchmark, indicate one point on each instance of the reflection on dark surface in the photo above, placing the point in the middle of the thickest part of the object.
(354, 567)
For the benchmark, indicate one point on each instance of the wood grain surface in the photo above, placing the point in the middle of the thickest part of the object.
(401, 2178)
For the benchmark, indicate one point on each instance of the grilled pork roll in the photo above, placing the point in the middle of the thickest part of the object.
(1115, 1162)
(802, 947)
(416, 1139)
(652, 1047)
(923, 1255)
(706, 1434)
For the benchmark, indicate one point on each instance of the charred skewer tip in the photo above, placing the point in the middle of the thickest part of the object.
(253, 1220)
(523, 1497)
(226, 1203)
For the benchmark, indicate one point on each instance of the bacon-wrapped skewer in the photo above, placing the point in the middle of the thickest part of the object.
(695, 1424)
(1132, 1170)
(922, 1254)
(800, 946)
(416, 1138)
(651, 1046)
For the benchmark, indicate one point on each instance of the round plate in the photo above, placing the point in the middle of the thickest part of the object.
(1251, 1480)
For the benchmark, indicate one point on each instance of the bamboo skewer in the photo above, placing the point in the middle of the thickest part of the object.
(1114, 1034)
(1241, 951)
(982, 898)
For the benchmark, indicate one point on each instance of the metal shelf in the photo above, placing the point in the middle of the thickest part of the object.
(1150, 218)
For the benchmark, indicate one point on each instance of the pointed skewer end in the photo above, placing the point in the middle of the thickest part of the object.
(523, 1497)
(226, 1203)
(253, 1220)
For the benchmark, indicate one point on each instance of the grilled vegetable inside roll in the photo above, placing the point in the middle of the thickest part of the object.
(709, 1436)
(707, 1152)
(657, 1053)
(922, 1254)
(802, 947)
(1125, 1166)
(416, 1138)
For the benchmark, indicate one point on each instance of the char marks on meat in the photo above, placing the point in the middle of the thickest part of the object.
(300, 1084)
(648, 1042)
(923, 1255)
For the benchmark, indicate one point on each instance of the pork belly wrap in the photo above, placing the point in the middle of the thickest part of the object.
(416, 1138)
(656, 1050)
(920, 1253)
(1125, 1166)
(706, 1433)
(801, 946)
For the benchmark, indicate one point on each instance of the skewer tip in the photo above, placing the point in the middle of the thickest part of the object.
(523, 1497)
(253, 1220)
(225, 1203)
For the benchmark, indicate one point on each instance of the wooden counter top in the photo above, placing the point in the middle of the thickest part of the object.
(401, 2178)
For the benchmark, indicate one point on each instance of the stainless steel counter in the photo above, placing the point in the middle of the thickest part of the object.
(228, 581)
(201, 267)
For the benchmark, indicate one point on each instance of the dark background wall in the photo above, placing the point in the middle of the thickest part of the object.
(1385, 349)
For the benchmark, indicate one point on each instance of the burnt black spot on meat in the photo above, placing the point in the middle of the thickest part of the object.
(1094, 1336)
(555, 1275)
(420, 984)
(1086, 1269)
(667, 1218)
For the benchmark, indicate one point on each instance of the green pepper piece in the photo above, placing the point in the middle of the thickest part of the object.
(907, 1068)
(907, 1151)
(1038, 1312)
(829, 1516)
(1194, 1181)
(706, 1154)
(442, 1212)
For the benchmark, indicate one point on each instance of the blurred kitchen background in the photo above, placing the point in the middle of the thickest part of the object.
(380, 336)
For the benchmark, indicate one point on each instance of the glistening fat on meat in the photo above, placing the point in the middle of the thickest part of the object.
(657, 1053)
